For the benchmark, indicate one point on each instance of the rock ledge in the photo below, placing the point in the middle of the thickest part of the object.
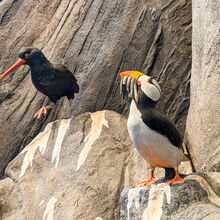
(195, 199)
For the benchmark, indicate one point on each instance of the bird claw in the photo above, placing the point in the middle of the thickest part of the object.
(175, 181)
(147, 182)
(41, 111)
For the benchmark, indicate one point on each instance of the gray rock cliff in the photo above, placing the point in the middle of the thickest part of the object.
(83, 168)
(203, 127)
(95, 40)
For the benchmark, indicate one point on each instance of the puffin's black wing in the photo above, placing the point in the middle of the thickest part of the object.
(162, 125)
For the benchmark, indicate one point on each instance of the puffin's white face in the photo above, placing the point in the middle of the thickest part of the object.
(134, 81)
(150, 87)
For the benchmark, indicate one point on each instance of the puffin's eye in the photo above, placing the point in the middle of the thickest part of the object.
(26, 55)
(150, 80)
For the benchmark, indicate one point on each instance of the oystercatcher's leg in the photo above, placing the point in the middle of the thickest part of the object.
(69, 109)
(43, 110)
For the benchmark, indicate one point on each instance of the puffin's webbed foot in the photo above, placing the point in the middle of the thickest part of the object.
(147, 182)
(151, 180)
(176, 180)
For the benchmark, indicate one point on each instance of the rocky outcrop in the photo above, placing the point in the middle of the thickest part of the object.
(74, 169)
(95, 40)
(203, 127)
(197, 198)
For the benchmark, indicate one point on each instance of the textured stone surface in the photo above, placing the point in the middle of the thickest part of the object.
(203, 127)
(10, 203)
(95, 40)
(195, 199)
(77, 167)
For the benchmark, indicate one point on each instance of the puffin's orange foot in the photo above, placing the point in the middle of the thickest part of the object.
(147, 182)
(40, 112)
(176, 180)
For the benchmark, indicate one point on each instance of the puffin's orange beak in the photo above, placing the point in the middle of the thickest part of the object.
(13, 67)
(133, 74)
(126, 73)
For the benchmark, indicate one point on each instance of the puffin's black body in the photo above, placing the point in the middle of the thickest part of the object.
(53, 80)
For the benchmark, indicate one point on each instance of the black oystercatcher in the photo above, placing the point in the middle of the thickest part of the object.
(155, 137)
(53, 80)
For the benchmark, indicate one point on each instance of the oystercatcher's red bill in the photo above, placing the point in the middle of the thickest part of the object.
(13, 67)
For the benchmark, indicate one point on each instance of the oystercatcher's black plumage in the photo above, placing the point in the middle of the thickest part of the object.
(53, 80)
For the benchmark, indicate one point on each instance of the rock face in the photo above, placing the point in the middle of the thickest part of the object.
(203, 127)
(195, 199)
(74, 169)
(95, 40)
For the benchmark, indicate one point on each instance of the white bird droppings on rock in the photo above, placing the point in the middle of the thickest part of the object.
(41, 202)
(155, 202)
(98, 121)
(41, 142)
(133, 195)
(60, 136)
(50, 209)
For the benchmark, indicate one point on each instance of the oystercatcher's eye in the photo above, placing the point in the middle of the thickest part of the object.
(150, 81)
(26, 55)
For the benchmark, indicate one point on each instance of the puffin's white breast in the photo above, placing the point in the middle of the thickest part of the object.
(155, 148)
